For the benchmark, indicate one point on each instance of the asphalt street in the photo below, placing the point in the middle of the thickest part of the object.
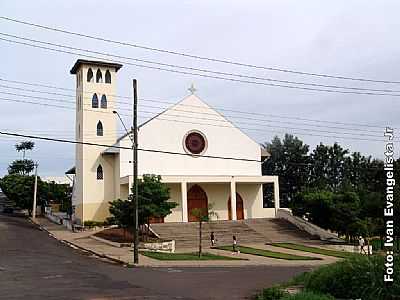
(34, 265)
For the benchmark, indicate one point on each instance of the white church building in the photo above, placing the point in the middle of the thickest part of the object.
(203, 158)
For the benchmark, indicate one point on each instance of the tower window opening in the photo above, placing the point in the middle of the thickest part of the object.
(95, 101)
(103, 103)
(89, 75)
(99, 76)
(100, 175)
(99, 129)
(107, 77)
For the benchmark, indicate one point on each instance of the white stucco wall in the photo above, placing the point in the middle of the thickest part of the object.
(166, 134)
(176, 196)
(92, 195)
(252, 195)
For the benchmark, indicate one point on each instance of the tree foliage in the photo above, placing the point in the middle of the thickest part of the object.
(153, 198)
(21, 166)
(330, 186)
(153, 202)
(289, 160)
(24, 146)
(122, 212)
(20, 188)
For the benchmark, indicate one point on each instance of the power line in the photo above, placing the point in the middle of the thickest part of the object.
(218, 125)
(199, 69)
(230, 62)
(126, 148)
(258, 122)
(197, 106)
(200, 75)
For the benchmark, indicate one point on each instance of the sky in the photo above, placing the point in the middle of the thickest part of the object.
(342, 38)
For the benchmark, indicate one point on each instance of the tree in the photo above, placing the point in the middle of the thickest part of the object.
(153, 202)
(19, 189)
(316, 206)
(289, 160)
(122, 214)
(153, 198)
(203, 215)
(345, 214)
(60, 193)
(24, 146)
(328, 165)
(22, 167)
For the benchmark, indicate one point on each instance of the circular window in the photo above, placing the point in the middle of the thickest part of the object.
(195, 142)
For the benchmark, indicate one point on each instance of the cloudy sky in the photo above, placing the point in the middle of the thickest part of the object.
(346, 38)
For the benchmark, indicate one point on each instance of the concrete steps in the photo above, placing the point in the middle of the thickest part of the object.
(278, 230)
(250, 231)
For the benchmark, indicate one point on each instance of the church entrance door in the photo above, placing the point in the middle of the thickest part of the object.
(196, 198)
(239, 208)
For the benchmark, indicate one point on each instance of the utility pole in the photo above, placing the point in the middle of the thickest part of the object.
(35, 193)
(135, 174)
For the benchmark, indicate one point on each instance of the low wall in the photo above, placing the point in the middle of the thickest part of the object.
(59, 219)
(168, 246)
(54, 218)
(350, 248)
(308, 227)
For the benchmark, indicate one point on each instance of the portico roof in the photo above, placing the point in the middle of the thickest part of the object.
(209, 179)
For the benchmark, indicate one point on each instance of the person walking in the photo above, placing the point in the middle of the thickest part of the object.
(212, 237)
(361, 243)
(234, 243)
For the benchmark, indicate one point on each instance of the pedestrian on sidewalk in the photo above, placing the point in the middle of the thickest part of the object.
(234, 244)
(212, 237)
(361, 243)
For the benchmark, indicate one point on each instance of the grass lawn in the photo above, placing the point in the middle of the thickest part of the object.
(268, 253)
(340, 254)
(186, 256)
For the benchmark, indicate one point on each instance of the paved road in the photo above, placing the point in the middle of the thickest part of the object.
(36, 266)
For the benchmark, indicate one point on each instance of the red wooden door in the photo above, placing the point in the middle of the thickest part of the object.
(239, 208)
(196, 198)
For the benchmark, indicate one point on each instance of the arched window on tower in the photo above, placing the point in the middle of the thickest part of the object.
(100, 175)
(99, 76)
(103, 103)
(99, 129)
(107, 77)
(95, 101)
(89, 77)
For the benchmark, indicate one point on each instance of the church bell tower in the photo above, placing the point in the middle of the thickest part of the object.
(96, 173)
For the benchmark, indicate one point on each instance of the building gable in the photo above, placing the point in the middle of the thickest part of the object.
(184, 126)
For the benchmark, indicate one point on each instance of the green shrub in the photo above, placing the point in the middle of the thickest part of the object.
(354, 278)
(273, 293)
(92, 224)
(306, 295)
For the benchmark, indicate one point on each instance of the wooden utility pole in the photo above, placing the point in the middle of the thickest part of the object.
(135, 174)
(35, 193)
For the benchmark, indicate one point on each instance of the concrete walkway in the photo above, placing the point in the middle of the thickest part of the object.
(83, 241)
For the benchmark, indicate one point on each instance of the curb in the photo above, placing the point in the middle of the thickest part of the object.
(73, 245)
(125, 264)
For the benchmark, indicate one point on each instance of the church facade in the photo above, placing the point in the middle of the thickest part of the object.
(203, 158)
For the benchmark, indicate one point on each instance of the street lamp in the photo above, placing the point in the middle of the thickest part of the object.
(134, 196)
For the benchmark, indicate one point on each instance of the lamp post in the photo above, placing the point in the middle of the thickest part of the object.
(134, 141)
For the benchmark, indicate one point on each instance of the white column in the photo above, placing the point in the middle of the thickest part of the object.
(184, 201)
(276, 194)
(233, 199)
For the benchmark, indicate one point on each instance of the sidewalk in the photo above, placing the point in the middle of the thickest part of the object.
(83, 241)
